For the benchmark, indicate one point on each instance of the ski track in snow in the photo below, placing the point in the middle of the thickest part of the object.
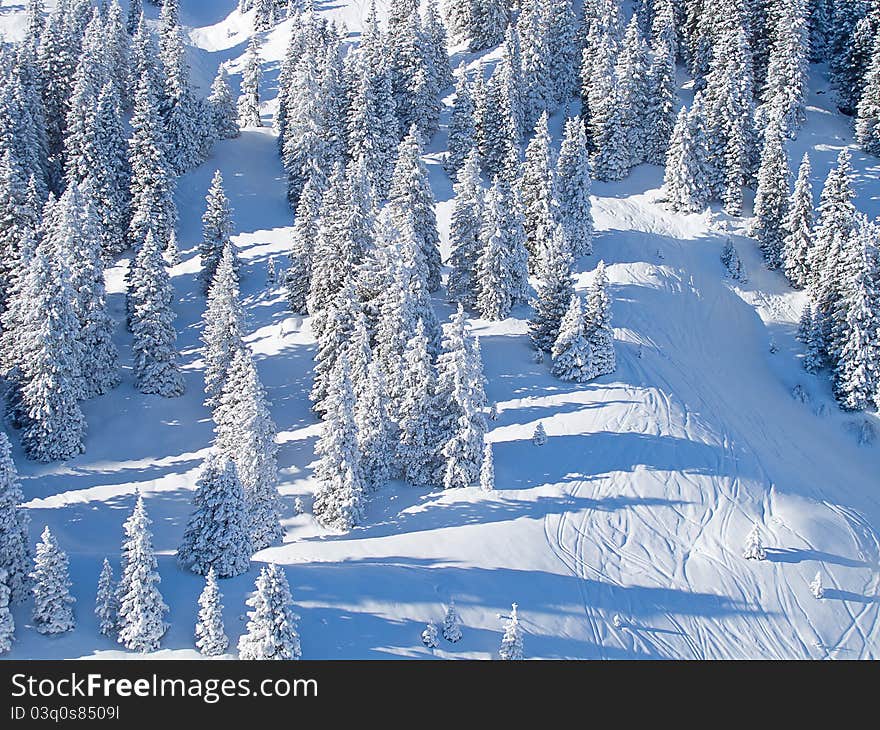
(620, 538)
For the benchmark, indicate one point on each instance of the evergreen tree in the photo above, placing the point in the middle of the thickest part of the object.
(211, 639)
(573, 189)
(772, 197)
(375, 430)
(251, 75)
(223, 327)
(496, 125)
(835, 218)
(271, 628)
(452, 624)
(15, 554)
(572, 352)
(799, 228)
(7, 622)
(339, 502)
(246, 434)
(502, 267)
(51, 381)
(487, 21)
(754, 550)
(155, 366)
(430, 636)
(611, 158)
(217, 536)
(539, 437)
(135, 13)
(487, 470)
(868, 109)
(512, 641)
(538, 193)
(216, 230)
(553, 293)
(632, 75)
(53, 604)
(118, 54)
(686, 181)
(465, 233)
(106, 605)
(152, 181)
(141, 608)
(305, 234)
(661, 87)
(224, 113)
(816, 587)
(462, 132)
(597, 323)
(411, 202)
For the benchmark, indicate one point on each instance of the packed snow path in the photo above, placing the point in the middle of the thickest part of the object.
(620, 538)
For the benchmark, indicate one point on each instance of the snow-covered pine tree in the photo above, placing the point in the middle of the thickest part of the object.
(533, 29)
(224, 112)
(502, 276)
(465, 232)
(686, 182)
(217, 536)
(246, 434)
(539, 437)
(573, 188)
(152, 180)
(632, 75)
(538, 193)
(553, 292)
(223, 327)
(376, 432)
(754, 549)
(608, 131)
(572, 352)
(133, 18)
(597, 323)
(496, 126)
(487, 470)
(251, 75)
(141, 608)
(411, 202)
(835, 217)
(339, 502)
(799, 228)
(868, 109)
(512, 641)
(486, 23)
(152, 327)
(298, 276)
(732, 262)
(7, 622)
(216, 230)
(416, 449)
(106, 604)
(816, 586)
(662, 99)
(210, 634)
(772, 197)
(271, 628)
(15, 554)
(462, 132)
(430, 636)
(53, 604)
(51, 382)
(452, 624)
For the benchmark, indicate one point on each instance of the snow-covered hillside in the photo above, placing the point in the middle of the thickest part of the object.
(621, 537)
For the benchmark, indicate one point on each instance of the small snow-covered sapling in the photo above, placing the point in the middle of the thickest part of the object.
(754, 550)
(816, 587)
(539, 437)
(430, 637)
(452, 624)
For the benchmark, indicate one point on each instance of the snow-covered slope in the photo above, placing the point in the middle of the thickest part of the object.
(620, 538)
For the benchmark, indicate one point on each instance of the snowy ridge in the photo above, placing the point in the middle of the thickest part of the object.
(620, 538)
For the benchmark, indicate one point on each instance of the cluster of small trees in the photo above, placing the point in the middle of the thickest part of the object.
(511, 642)
(268, 12)
(74, 193)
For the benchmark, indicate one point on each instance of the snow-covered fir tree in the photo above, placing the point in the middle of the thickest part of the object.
(611, 156)
(53, 604)
(465, 227)
(487, 470)
(216, 230)
(487, 21)
(246, 434)
(155, 339)
(411, 202)
(376, 432)
(496, 131)
(462, 132)
(816, 586)
(502, 276)
(271, 629)
(754, 549)
(732, 262)
(210, 634)
(306, 224)
(217, 535)
(106, 604)
(430, 636)
(223, 326)
(539, 437)
(554, 292)
(686, 182)
(661, 86)
(632, 75)
(224, 112)
(15, 553)
(772, 197)
(597, 323)
(573, 188)
(452, 624)
(7, 622)
(572, 352)
(799, 228)
(538, 193)
(251, 75)
(814, 357)
(512, 641)
(868, 109)
(340, 500)
(141, 607)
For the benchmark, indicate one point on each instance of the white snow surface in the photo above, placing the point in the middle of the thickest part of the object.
(620, 538)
